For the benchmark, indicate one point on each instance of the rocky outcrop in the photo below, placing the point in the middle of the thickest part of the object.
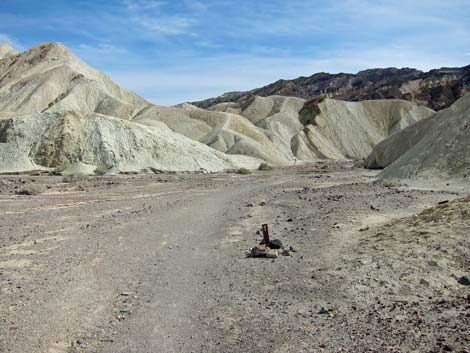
(436, 89)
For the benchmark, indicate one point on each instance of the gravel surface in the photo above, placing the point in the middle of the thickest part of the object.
(157, 263)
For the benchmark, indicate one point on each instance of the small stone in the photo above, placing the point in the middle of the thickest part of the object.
(324, 310)
(363, 229)
(263, 203)
(464, 280)
(250, 205)
(290, 220)
(291, 248)
(285, 252)
(272, 254)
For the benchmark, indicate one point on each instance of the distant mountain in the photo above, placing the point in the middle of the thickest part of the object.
(436, 89)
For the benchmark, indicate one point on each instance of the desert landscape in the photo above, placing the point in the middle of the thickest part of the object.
(327, 213)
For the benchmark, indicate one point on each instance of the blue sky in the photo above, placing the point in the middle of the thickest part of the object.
(171, 51)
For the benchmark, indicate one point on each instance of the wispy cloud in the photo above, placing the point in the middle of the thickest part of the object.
(143, 5)
(165, 25)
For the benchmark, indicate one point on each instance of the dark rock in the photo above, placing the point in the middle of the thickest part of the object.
(275, 244)
(464, 280)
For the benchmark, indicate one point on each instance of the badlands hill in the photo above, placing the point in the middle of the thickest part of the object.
(436, 89)
(434, 148)
(56, 111)
(83, 107)
(326, 129)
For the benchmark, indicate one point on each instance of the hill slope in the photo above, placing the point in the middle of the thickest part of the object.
(349, 130)
(436, 89)
(438, 148)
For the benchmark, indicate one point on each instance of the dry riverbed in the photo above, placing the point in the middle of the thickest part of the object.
(157, 263)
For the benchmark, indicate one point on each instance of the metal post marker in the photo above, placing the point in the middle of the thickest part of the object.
(265, 234)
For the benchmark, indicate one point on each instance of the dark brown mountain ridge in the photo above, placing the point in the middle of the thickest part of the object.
(436, 89)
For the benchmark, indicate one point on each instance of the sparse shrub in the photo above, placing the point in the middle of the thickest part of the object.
(101, 170)
(360, 163)
(59, 169)
(265, 167)
(72, 178)
(243, 171)
(32, 189)
(391, 183)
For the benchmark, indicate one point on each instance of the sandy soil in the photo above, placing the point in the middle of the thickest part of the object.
(156, 263)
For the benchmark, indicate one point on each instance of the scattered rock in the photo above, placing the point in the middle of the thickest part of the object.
(263, 251)
(263, 203)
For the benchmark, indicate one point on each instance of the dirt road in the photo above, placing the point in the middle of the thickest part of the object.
(157, 263)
